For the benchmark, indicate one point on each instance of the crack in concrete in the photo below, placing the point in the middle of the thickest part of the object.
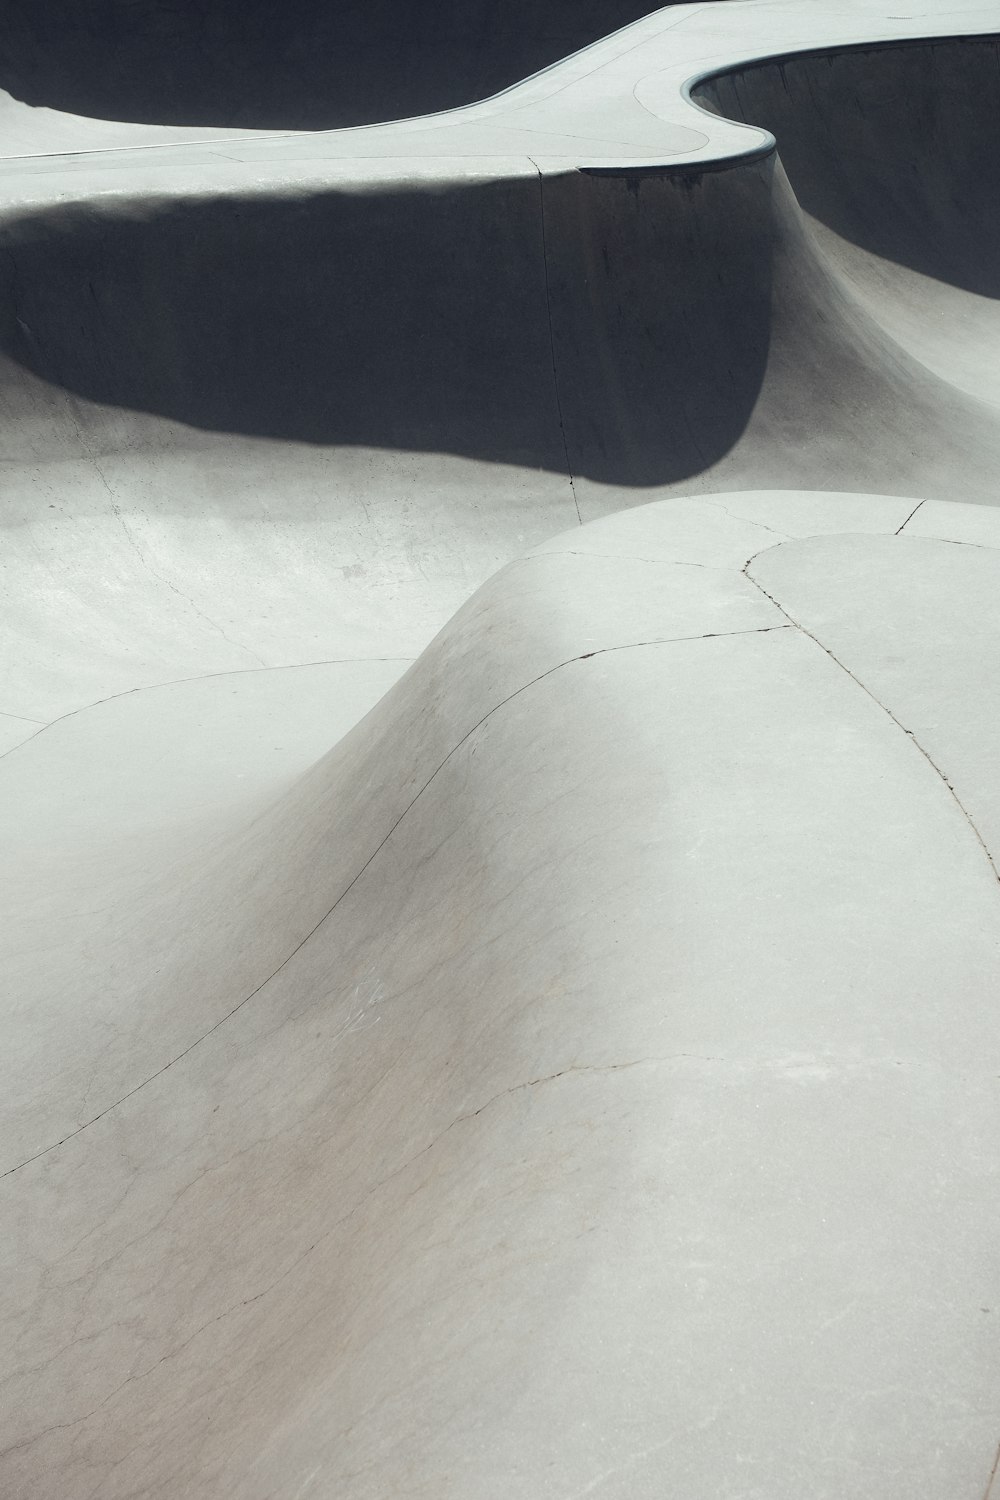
(525, 687)
(910, 516)
(237, 645)
(244, 1302)
(910, 735)
(23, 719)
(735, 516)
(152, 687)
(573, 1070)
(666, 562)
(993, 1474)
(130, 537)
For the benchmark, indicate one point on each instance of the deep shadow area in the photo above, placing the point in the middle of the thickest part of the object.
(661, 296)
(894, 147)
(417, 318)
(300, 64)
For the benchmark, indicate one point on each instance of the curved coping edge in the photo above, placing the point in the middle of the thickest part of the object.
(690, 86)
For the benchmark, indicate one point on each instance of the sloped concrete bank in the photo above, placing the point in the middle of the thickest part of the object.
(398, 379)
(608, 1017)
(579, 1077)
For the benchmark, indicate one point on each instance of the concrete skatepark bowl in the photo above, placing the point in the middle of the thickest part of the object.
(500, 609)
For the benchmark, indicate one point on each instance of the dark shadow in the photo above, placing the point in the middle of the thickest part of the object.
(286, 64)
(661, 296)
(421, 319)
(894, 147)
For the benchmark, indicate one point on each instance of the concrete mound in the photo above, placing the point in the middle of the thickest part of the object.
(437, 1143)
(486, 1014)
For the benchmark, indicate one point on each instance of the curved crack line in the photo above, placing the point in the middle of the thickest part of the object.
(138, 1376)
(153, 687)
(585, 656)
(747, 520)
(571, 1070)
(910, 735)
(665, 562)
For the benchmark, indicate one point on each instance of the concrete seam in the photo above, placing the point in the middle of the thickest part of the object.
(586, 656)
(910, 735)
(666, 562)
(530, 1083)
(747, 520)
(578, 1070)
(23, 719)
(152, 687)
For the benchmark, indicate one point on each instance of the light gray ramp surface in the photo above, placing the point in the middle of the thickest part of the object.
(534, 1035)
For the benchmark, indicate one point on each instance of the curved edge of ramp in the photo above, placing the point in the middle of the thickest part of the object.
(620, 1113)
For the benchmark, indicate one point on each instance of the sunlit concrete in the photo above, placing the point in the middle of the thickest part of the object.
(499, 977)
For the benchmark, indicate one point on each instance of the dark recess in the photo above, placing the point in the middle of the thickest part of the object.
(286, 64)
(418, 319)
(896, 147)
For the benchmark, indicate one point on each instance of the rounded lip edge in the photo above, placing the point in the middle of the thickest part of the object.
(690, 85)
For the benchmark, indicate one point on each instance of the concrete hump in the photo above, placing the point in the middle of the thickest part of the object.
(498, 717)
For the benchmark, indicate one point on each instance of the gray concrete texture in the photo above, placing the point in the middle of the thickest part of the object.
(497, 752)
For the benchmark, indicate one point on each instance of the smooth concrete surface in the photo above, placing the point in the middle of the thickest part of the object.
(916, 245)
(506, 1174)
(499, 978)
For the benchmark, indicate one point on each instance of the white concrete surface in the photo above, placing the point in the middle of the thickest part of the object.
(626, 1064)
(533, 1036)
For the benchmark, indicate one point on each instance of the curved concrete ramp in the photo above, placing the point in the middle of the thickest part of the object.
(587, 1074)
(238, 410)
(486, 1014)
(894, 159)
